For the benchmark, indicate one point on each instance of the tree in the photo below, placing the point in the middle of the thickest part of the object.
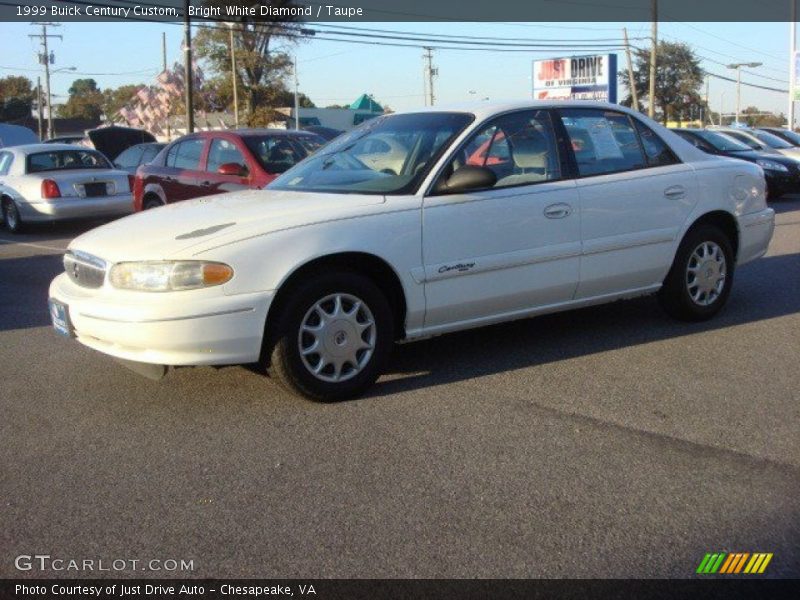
(261, 59)
(754, 117)
(678, 80)
(85, 101)
(16, 97)
(116, 98)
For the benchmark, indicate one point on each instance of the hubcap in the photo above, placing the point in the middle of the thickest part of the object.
(11, 216)
(706, 273)
(337, 337)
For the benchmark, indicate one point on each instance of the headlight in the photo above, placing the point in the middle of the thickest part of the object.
(771, 165)
(168, 276)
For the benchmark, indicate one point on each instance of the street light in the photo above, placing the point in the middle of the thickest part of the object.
(51, 132)
(738, 67)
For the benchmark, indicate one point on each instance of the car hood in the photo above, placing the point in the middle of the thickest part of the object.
(185, 228)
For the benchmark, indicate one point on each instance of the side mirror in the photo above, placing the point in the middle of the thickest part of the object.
(467, 178)
(232, 169)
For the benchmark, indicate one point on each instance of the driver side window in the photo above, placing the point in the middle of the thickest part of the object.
(519, 148)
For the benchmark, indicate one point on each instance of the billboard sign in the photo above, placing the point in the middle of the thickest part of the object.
(576, 78)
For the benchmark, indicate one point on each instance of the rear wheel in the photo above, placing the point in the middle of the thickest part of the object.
(332, 338)
(700, 280)
(11, 216)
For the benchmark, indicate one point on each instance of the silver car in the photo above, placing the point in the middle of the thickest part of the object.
(52, 182)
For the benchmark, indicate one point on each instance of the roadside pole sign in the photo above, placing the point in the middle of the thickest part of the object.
(592, 77)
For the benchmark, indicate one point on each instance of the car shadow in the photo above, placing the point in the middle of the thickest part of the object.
(764, 289)
(23, 293)
(45, 232)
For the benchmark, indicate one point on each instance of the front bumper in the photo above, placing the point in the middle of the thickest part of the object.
(177, 328)
(59, 209)
(755, 233)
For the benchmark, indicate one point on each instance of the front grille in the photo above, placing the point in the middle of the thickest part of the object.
(84, 269)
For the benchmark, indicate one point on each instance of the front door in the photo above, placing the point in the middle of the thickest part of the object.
(509, 248)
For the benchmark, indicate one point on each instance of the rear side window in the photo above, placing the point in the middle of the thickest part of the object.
(185, 155)
(603, 141)
(130, 158)
(657, 152)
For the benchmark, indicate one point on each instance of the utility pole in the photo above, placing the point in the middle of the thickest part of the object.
(45, 58)
(430, 72)
(296, 97)
(40, 107)
(630, 70)
(234, 78)
(163, 50)
(651, 108)
(792, 67)
(188, 75)
(707, 108)
(738, 67)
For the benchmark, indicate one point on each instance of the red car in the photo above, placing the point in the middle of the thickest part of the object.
(213, 162)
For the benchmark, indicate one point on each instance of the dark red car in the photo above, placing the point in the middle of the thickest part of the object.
(213, 162)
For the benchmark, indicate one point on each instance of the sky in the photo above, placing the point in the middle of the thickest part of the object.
(334, 72)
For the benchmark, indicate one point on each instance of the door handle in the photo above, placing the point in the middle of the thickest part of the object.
(558, 211)
(205, 183)
(675, 192)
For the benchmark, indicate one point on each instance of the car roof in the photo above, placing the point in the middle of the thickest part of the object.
(248, 132)
(488, 108)
(33, 148)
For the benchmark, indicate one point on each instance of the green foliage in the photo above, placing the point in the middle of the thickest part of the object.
(762, 120)
(262, 61)
(85, 101)
(116, 98)
(679, 79)
(16, 97)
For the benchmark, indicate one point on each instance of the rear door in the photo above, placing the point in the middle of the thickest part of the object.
(635, 196)
(183, 175)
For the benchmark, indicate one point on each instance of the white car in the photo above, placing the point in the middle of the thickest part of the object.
(318, 275)
(52, 182)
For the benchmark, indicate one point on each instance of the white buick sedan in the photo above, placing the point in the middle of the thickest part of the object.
(53, 182)
(496, 212)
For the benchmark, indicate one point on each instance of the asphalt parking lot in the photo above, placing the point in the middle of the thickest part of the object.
(607, 442)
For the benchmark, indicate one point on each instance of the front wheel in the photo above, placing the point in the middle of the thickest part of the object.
(332, 338)
(700, 280)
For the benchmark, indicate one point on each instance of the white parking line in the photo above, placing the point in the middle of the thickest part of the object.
(32, 245)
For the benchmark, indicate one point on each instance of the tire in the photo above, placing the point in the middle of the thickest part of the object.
(151, 203)
(11, 217)
(360, 342)
(699, 282)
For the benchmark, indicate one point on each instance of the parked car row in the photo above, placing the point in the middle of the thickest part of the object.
(769, 148)
(415, 224)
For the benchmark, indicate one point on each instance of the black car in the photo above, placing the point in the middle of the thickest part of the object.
(781, 172)
(140, 154)
(785, 134)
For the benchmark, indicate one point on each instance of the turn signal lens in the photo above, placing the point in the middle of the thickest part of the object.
(50, 189)
(216, 273)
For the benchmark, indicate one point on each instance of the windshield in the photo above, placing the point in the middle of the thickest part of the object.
(790, 135)
(753, 144)
(772, 140)
(386, 155)
(62, 160)
(722, 142)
